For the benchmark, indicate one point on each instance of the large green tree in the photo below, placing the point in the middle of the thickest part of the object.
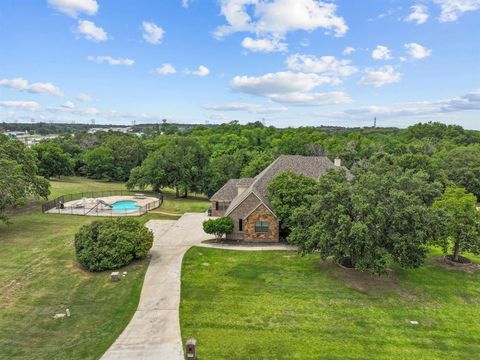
(384, 214)
(462, 230)
(18, 176)
(180, 164)
(219, 170)
(461, 165)
(258, 163)
(99, 163)
(286, 192)
(128, 151)
(52, 160)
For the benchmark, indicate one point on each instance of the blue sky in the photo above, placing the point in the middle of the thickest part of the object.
(288, 62)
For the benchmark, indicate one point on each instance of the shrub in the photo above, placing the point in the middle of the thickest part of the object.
(218, 227)
(111, 244)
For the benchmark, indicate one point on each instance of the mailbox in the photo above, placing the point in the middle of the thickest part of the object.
(191, 349)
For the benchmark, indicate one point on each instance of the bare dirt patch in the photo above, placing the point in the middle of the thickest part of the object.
(365, 282)
(443, 263)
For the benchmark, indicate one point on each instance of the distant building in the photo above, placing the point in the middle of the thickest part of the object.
(124, 130)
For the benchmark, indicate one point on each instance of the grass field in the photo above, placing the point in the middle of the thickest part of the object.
(278, 305)
(40, 277)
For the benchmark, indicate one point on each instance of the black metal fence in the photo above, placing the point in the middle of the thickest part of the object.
(92, 207)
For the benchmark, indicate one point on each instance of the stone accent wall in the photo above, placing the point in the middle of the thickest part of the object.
(249, 203)
(262, 213)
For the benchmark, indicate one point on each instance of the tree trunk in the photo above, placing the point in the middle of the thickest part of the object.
(177, 192)
(456, 251)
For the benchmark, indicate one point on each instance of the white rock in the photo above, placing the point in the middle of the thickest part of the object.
(414, 322)
(67, 312)
(59, 316)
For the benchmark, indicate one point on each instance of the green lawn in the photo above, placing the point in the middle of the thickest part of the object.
(40, 277)
(278, 305)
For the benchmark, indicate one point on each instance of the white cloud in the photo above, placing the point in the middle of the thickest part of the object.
(419, 14)
(91, 31)
(312, 99)
(451, 10)
(152, 33)
(327, 65)
(111, 61)
(381, 76)
(417, 51)
(34, 88)
(165, 69)
(186, 3)
(381, 53)
(69, 105)
(251, 108)
(75, 7)
(348, 51)
(290, 88)
(469, 101)
(264, 45)
(278, 17)
(280, 82)
(84, 97)
(23, 105)
(201, 71)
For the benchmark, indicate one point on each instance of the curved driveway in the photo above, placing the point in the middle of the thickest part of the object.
(154, 331)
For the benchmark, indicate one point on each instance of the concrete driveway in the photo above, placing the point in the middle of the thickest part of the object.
(154, 331)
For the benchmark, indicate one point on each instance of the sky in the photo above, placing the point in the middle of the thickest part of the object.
(283, 62)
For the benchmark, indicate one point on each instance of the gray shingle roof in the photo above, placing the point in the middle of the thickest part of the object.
(311, 166)
(228, 192)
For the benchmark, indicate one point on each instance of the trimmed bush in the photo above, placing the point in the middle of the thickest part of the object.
(218, 227)
(111, 244)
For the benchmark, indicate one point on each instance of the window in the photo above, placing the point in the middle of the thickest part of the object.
(262, 226)
(240, 224)
(221, 206)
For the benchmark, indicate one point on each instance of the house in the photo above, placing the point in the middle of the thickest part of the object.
(246, 202)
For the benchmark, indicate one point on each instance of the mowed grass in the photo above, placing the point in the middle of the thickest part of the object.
(40, 277)
(279, 305)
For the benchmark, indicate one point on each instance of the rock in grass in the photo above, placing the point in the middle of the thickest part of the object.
(115, 276)
(59, 316)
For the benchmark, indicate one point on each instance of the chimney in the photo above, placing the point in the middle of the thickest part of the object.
(338, 162)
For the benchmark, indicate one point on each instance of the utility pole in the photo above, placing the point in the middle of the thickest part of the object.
(375, 122)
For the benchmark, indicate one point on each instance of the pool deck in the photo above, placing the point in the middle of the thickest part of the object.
(101, 210)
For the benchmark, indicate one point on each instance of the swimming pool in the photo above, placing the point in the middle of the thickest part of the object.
(125, 206)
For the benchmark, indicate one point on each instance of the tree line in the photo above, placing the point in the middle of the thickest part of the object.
(201, 159)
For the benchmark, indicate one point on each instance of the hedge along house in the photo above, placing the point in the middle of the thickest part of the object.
(245, 200)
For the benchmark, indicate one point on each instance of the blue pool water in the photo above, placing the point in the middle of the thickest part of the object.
(125, 205)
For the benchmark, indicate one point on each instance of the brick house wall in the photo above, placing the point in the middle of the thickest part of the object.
(262, 213)
(218, 213)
